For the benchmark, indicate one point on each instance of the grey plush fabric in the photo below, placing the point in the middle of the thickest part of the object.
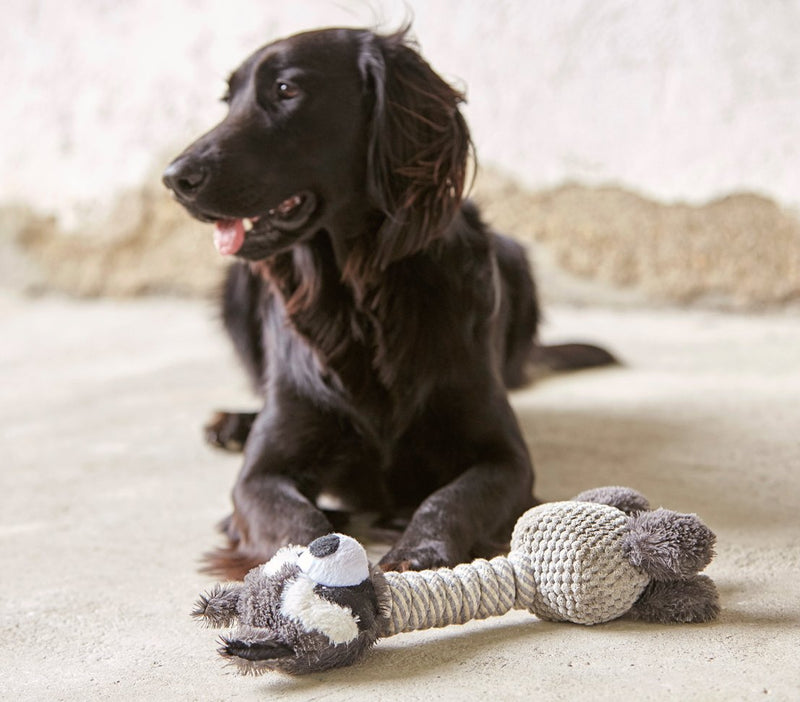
(668, 545)
(693, 600)
(267, 639)
(218, 607)
(623, 498)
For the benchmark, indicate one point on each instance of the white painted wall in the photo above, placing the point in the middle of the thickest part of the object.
(675, 98)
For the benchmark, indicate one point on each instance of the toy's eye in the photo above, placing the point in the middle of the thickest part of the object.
(286, 91)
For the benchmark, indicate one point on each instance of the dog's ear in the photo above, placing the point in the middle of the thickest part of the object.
(418, 147)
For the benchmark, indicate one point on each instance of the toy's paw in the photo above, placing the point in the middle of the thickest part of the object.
(690, 601)
(255, 651)
(218, 607)
(428, 555)
(229, 430)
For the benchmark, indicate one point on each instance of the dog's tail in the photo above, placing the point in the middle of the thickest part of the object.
(233, 560)
(229, 563)
(566, 357)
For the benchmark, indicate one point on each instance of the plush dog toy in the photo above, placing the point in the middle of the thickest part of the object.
(587, 561)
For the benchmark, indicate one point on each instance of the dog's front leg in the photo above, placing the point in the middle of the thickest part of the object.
(470, 516)
(274, 494)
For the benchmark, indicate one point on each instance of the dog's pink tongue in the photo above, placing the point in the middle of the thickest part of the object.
(228, 236)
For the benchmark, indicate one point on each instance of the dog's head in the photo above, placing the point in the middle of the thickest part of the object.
(337, 129)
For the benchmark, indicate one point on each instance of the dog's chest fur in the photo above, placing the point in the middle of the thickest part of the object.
(378, 359)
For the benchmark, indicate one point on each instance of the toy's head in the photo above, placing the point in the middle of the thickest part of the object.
(308, 609)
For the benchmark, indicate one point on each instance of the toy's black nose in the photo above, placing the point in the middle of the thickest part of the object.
(324, 546)
(185, 177)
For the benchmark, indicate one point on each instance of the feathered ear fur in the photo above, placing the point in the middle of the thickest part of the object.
(417, 150)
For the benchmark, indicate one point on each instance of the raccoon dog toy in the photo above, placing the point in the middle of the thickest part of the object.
(603, 555)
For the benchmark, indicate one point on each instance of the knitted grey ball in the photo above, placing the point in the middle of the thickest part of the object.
(573, 558)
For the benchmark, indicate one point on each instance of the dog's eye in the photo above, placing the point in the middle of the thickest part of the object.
(286, 91)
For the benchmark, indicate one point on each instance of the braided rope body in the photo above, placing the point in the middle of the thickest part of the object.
(437, 598)
(566, 564)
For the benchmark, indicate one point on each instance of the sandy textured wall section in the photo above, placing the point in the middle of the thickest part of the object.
(738, 252)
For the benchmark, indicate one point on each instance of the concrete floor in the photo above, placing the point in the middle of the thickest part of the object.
(109, 497)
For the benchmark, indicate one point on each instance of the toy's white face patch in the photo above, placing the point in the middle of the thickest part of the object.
(288, 554)
(345, 567)
(301, 604)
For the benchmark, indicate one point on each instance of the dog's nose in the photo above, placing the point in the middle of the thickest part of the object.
(185, 178)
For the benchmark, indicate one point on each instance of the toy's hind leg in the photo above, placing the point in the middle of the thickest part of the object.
(682, 601)
(622, 498)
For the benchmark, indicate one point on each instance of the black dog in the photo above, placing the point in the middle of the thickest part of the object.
(378, 316)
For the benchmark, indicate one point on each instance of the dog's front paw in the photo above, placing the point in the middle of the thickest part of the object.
(228, 430)
(429, 554)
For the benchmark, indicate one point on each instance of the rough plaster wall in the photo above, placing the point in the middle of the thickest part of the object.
(680, 99)
(675, 99)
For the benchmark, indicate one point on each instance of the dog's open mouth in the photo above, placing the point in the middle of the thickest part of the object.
(289, 215)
